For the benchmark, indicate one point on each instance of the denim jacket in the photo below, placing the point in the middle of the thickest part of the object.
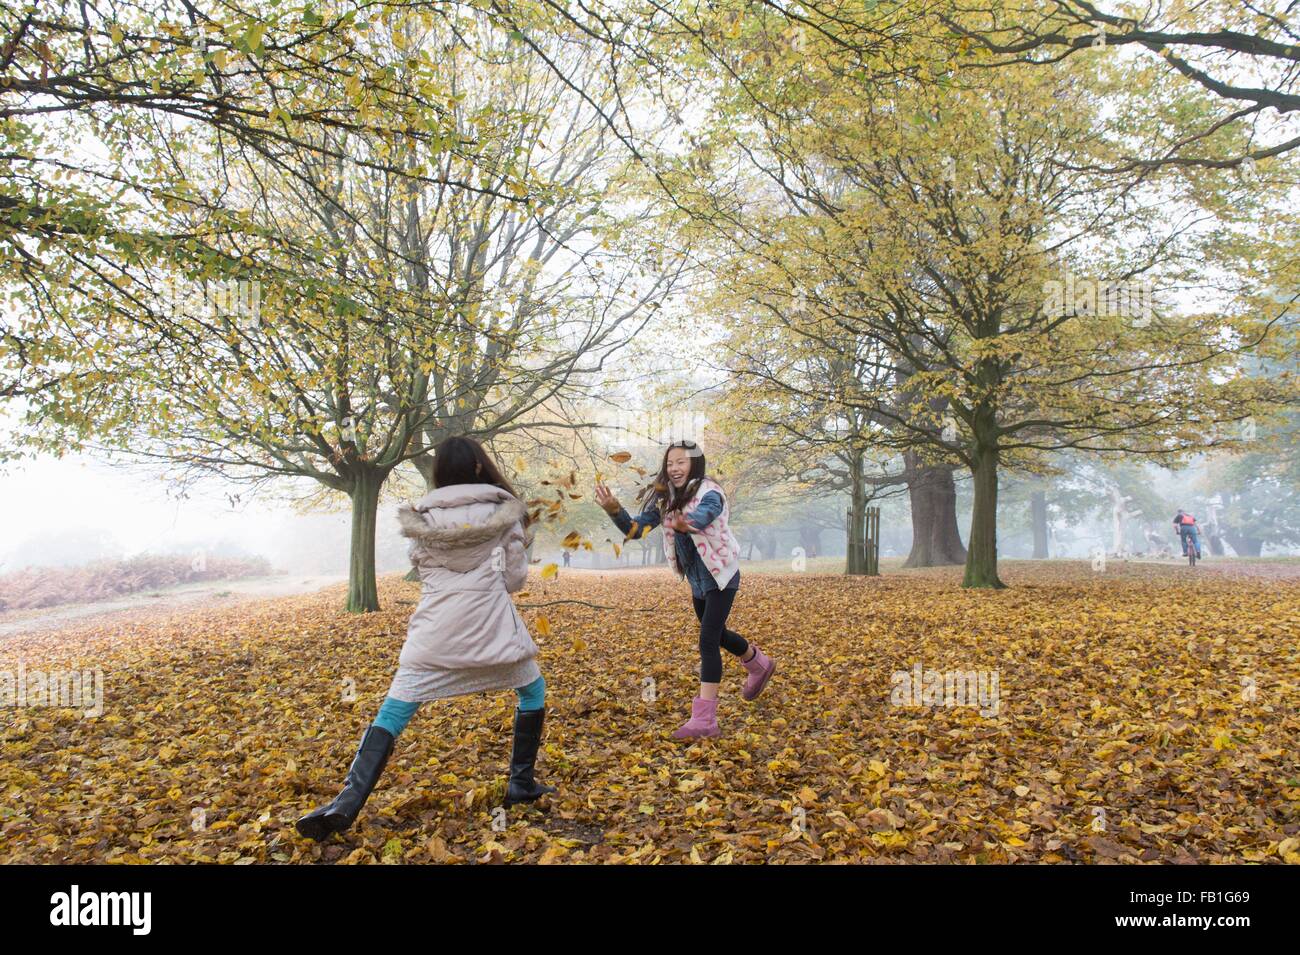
(709, 508)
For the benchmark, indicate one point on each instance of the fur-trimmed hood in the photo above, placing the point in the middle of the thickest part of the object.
(441, 520)
(470, 551)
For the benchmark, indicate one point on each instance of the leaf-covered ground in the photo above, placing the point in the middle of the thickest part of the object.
(1147, 713)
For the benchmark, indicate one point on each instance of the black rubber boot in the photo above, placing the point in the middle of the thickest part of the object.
(528, 735)
(367, 765)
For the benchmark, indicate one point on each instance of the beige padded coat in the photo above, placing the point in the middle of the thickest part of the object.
(468, 544)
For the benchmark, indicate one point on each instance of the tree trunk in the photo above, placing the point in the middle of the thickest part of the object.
(1038, 512)
(363, 596)
(982, 558)
(945, 538)
(1245, 546)
(856, 558)
(810, 538)
(936, 540)
(424, 464)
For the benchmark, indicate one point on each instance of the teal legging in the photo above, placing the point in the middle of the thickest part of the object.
(395, 714)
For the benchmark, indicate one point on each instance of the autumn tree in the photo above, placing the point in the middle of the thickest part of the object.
(964, 205)
(791, 394)
(1256, 487)
(1244, 55)
(96, 98)
(551, 288)
(390, 311)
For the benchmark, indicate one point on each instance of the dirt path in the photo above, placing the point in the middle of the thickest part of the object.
(198, 596)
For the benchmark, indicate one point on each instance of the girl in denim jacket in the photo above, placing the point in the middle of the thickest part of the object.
(701, 548)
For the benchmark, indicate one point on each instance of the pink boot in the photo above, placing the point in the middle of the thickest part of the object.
(703, 721)
(760, 667)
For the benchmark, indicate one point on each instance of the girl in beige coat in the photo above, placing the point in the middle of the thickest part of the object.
(469, 539)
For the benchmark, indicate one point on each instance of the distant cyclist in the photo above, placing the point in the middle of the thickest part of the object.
(1188, 533)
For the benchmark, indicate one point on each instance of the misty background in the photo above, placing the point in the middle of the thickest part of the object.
(73, 511)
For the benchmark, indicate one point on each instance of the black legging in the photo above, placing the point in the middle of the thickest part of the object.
(712, 610)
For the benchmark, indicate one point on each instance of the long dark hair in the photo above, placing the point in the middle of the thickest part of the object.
(661, 490)
(461, 460)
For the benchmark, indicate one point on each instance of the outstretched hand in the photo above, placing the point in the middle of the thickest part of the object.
(678, 522)
(606, 499)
